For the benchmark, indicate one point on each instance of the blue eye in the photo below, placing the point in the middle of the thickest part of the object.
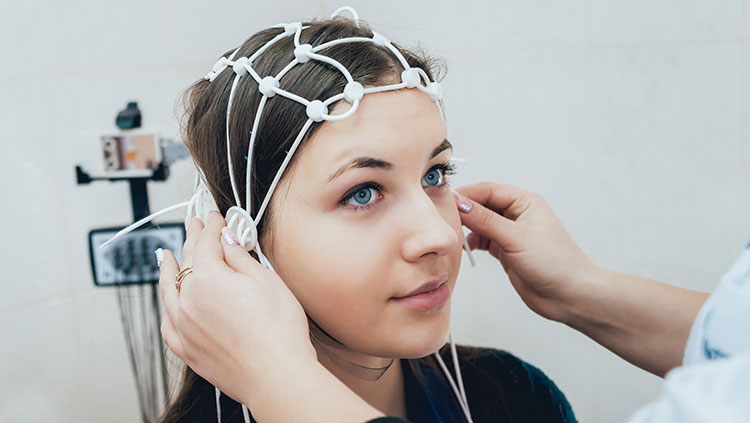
(433, 178)
(362, 196)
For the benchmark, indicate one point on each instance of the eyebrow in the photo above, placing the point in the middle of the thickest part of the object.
(364, 161)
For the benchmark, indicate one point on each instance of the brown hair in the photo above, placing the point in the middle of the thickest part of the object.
(282, 119)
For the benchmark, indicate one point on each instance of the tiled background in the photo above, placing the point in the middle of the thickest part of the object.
(631, 117)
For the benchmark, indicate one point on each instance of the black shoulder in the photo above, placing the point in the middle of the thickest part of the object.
(499, 384)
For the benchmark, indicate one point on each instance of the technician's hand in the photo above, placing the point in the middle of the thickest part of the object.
(233, 322)
(545, 265)
(643, 321)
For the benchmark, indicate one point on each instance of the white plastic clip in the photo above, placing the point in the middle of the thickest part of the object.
(240, 222)
(379, 39)
(240, 66)
(316, 110)
(290, 28)
(302, 53)
(435, 90)
(353, 91)
(410, 77)
(218, 67)
(267, 85)
(202, 203)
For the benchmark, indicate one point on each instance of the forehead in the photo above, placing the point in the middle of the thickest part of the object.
(385, 125)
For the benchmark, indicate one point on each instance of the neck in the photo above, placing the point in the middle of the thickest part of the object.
(385, 394)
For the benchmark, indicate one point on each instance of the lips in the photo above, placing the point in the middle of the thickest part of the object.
(426, 287)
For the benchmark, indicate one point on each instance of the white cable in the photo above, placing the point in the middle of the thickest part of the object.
(250, 148)
(218, 404)
(245, 414)
(229, 147)
(351, 10)
(327, 44)
(276, 179)
(143, 221)
(456, 392)
(454, 355)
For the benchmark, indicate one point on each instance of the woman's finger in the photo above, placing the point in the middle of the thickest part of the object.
(167, 275)
(236, 256)
(193, 227)
(171, 337)
(208, 249)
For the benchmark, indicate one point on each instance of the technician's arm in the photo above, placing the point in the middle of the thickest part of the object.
(642, 321)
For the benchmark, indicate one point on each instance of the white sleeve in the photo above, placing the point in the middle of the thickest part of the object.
(713, 384)
(712, 391)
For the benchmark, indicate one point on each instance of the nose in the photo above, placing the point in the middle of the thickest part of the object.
(427, 230)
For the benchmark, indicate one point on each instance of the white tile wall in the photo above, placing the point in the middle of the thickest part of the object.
(30, 155)
(517, 23)
(632, 118)
(105, 373)
(22, 39)
(40, 372)
(642, 21)
(666, 140)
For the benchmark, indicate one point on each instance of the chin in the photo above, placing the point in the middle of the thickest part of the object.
(422, 341)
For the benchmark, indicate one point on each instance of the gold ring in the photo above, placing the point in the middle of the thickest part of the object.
(181, 276)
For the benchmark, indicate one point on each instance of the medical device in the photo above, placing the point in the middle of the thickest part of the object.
(136, 156)
(131, 261)
(238, 219)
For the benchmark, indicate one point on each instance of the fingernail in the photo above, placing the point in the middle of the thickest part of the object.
(187, 222)
(463, 203)
(159, 256)
(229, 237)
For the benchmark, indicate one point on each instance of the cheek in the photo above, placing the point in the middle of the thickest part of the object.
(446, 205)
(343, 279)
(335, 274)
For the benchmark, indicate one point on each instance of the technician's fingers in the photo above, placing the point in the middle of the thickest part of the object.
(236, 256)
(477, 241)
(168, 272)
(508, 200)
(193, 227)
(485, 222)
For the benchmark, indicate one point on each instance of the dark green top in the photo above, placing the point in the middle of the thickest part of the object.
(500, 388)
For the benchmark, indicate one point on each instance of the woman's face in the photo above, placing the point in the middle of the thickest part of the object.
(365, 217)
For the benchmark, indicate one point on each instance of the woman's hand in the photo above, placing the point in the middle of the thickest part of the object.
(233, 322)
(238, 326)
(545, 265)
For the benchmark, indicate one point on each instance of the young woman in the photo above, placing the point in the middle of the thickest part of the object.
(363, 230)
